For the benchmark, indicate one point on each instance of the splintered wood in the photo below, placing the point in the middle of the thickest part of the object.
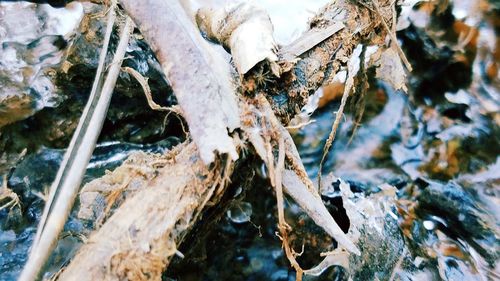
(309, 40)
(268, 136)
(138, 240)
(243, 28)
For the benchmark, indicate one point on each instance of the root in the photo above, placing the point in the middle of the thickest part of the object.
(7, 193)
(145, 87)
(271, 133)
(152, 104)
(300, 126)
(282, 225)
(335, 126)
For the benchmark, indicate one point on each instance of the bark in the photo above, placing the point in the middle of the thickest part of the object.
(320, 63)
(199, 77)
(137, 242)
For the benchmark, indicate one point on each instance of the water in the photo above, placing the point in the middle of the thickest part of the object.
(240, 212)
(420, 175)
(33, 40)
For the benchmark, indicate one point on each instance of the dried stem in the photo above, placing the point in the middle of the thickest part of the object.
(392, 34)
(282, 225)
(145, 87)
(335, 126)
(67, 183)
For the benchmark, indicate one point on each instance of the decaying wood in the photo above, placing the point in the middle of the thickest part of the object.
(139, 239)
(318, 65)
(137, 242)
(308, 40)
(199, 77)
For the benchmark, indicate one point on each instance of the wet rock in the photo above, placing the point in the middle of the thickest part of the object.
(375, 231)
(13, 251)
(450, 227)
(460, 217)
(35, 173)
(129, 117)
(33, 39)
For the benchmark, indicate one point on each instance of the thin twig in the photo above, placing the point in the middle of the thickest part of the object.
(70, 174)
(145, 87)
(71, 151)
(393, 36)
(300, 125)
(333, 131)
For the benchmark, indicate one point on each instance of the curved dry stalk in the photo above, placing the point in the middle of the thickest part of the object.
(282, 225)
(69, 177)
(145, 87)
(335, 126)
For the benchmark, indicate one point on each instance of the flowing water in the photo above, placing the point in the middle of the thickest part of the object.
(437, 146)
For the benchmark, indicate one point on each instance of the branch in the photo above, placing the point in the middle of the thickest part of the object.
(199, 77)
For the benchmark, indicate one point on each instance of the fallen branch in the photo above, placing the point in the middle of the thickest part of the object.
(199, 77)
(317, 66)
(139, 239)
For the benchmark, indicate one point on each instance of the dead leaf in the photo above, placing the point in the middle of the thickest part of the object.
(391, 70)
